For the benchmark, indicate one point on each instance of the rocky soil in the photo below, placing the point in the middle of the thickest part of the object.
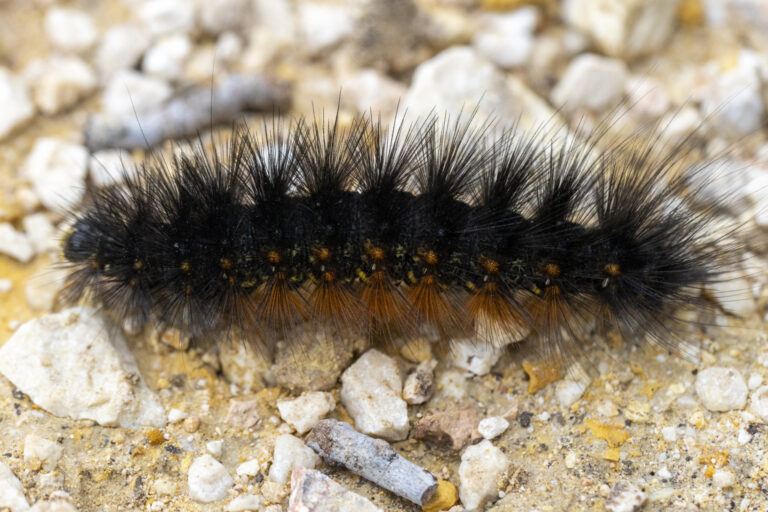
(94, 417)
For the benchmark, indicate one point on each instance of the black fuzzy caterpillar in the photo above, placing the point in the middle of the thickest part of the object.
(386, 230)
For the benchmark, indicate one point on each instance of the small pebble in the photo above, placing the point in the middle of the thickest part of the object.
(11, 491)
(755, 379)
(507, 39)
(420, 383)
(312, 491)
(58, 83)
(492, 427)
(625, 497)
(571, 459)
(723, 478)
(176, 415)
(721, 389)
(121, 48)
(249, 468)
(129, 93)
(759, 402)
(6, 285)
(482, 466)
(244, 503)
(290, 453)
(15, 103)
(568, 391)
(215, 447)
(591, 82)
(208, 480)
(323, 25)
(167, 16)
(70, 30)
(304, 412)
(40, 453)
(15, 244)
(191, 424)
(371, 391)
(57, 170)
(669, 434)
(41, 232)
(167, 58)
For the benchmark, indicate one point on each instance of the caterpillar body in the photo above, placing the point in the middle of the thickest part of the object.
(388, 230)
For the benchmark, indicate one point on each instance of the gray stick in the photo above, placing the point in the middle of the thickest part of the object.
(373, 459)
(188, 113)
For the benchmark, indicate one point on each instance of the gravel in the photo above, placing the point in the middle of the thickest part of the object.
(208, 480)
(76, 364)
(482, 465)
(721, 389)
(371, 391)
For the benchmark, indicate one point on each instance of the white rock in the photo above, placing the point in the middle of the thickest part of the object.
(420, 383)
(492, 427)
(167, 58)
(304, 412)
(14, 244)
(110, 166)
(215, 447)
(249, 468)
(11, 491)
(721, 389)
(15, 103)
(571, 459)
(129, 93)
(57, 170)
(591, 82)
(754, 381)
(568, 391)
(6, 285)
(40, 232)
(370, 90)
(70, 30)
(507, 39)
(290, 453)
(759, 402)
(482, 466)
(167, 16)
(475, 356)
(459, 79)
(40, 452)
(312, 491)
(680, 123)
(625, 497)
(669, 434)
(733, 104)
(723, 478)
(176, 415)
(76, 364)
(217, 16)
(323, 25)
(370, 391)
(624, 28)
(208, 480)
(647, 97)
(57, 83)
(229, 46)
(121, 48)
(244, 503)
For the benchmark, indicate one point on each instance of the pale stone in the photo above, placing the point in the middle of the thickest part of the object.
(57, 171)
(76, 364)
(591, 82)
(70, 30)
(304, 412)
(39, 452)
(290, 453)
(208, 480)
(15, 103)
(721, 389)
(371, 391)
(58, 83)
(482, 466)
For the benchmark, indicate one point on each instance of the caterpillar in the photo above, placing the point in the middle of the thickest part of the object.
(438, 224)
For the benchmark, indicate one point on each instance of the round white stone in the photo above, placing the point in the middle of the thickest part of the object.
(208, 480)
(492, 427)
(568, 391)
(759, 402)
(70, 30)
(721, 389)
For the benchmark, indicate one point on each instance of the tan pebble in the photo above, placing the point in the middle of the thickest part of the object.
(155, 436)
(445, 497)
(191, 424)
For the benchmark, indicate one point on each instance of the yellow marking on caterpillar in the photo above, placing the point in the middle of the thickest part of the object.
(226, 263)
(185, 266)
(612, 269)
